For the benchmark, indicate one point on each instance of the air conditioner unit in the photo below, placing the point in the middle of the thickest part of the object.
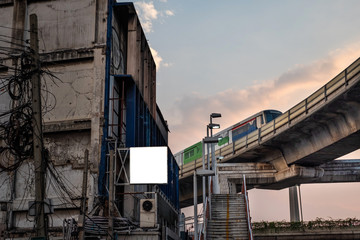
(148, 213)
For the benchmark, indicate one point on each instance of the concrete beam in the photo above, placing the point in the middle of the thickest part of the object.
(65, 126)
(67, 55)
(263, 175)
(295, 171)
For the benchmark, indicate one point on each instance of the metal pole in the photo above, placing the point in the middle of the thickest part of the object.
(195, 207)
(213, 161)
(203, 180)
(209, 178)
(84, 191)
(40, 167)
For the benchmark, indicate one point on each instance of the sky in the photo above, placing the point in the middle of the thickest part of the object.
(239, 57)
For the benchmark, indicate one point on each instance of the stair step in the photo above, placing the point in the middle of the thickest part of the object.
(228, 217)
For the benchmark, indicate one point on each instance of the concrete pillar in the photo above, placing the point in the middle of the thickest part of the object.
(294, 204)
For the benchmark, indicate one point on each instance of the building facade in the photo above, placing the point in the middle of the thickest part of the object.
(99, 95)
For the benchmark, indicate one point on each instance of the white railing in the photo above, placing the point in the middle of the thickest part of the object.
(248, 218)
(202, 231)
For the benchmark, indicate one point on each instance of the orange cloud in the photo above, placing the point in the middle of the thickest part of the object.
(191, 113)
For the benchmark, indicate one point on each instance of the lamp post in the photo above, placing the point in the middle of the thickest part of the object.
(210, 126)
(203, 173)
(213, 160)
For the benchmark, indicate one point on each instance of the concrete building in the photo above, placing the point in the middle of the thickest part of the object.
(100, 95)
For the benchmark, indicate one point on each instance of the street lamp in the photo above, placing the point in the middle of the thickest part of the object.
(203, 173)
(213, 161)
(211, 139)
(215, 115)
(206, 140)
(214, 126)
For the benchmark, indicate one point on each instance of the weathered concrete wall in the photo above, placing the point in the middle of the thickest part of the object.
(140, 63)
(72, 38)
(6, 21)
(65, 24)
(70, 96)
(72, 41)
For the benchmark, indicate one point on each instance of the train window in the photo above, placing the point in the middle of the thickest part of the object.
(223, 141)
(189, 153)
(243, 130)
(269, 116)
(192, 153)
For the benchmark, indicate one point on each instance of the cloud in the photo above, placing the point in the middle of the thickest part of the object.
(147, 13)
(168, 64)
(157, 58)
(190, 114)
(169, 13)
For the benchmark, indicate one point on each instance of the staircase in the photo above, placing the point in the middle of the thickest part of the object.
(228, 220)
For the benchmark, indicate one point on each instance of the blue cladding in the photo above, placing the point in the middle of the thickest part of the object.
(171, 189)
(131, 115)
(141, 127)
(102, 165)
(142, 131)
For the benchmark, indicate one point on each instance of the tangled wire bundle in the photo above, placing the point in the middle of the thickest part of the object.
(17, 132)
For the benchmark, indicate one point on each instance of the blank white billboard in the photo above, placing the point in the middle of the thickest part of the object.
(148, 165)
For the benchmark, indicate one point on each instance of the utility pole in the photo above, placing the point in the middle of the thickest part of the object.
(83, 201)
(40, 169)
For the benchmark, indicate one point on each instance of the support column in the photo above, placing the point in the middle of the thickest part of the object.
(294, 204)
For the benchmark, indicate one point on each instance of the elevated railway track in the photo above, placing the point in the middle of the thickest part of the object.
(319, 129)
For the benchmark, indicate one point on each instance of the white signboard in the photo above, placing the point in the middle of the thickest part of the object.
(148, 165)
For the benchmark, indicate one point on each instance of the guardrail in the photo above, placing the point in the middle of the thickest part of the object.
(316, 100)
(205, 215)
(248, 218)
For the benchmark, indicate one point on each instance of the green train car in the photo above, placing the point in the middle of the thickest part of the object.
(228, 135)
(193, 152)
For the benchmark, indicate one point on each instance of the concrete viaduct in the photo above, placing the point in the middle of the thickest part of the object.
(299, 146)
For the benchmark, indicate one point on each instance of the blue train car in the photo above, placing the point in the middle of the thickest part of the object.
(229, 135)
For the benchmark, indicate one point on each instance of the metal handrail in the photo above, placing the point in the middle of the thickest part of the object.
(244, 191)
(205, 216)
(318, 98)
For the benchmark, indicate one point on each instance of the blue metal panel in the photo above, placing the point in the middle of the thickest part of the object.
(102, 165)
(171, 189)
(142, 130)
(131, 115)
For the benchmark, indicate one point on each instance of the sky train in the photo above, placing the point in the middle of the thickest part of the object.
(228, 135)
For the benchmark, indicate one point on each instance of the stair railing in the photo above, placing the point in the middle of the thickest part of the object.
(244, 191)
(205, 216)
